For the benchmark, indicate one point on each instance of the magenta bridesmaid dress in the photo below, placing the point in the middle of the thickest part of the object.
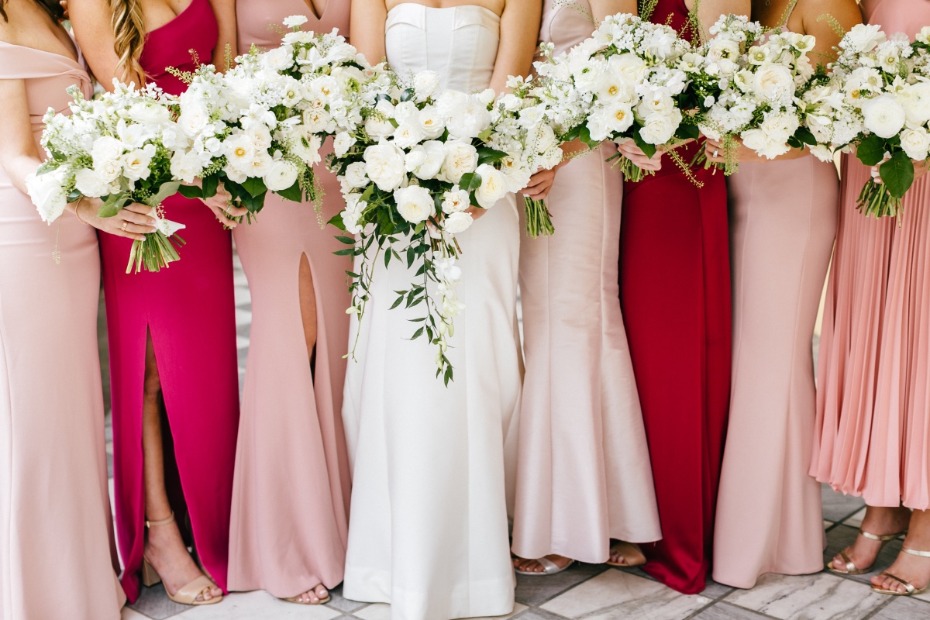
(873, 404)
(291, 492)
(188, 310)
(57, 557)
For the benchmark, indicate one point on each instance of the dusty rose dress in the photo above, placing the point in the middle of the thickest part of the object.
(291, 492)
(782, 225)
(873, 404)
(57, 551)
(189, 311)
(583, 473)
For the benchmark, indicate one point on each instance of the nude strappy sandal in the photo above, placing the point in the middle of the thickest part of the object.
(320, 601)
(850, 567)
(909, 588)
(549, 568)
(187, 594)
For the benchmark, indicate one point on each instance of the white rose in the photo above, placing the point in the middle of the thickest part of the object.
(378, 127)
(106, 154)
(149, 114)
(460, 158)
(407, 135)
(185, 166)
(277, 59)
(760, 142)
(660, 128)
(863, 38)
(455, 201)
(923, 36)
(281, 175)
(136, 163)
(915, 98)
(295, 21)
(458, 222)
(384, 165)
(430, 122)
(414, 203)
(469, 120)
(883, 116)
(90, 184)
(48, 193)
(355, 176)
(916, 143)
(425, 160)
(493, 186)
(342, 143)
(629, 67)
(425, 84)
(774, 83)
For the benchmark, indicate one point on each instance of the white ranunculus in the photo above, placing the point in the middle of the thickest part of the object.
(774, 83)
(923, 36)
(414, 203)
(261, 165)
(455, 201)
(277, 59)
(619, 117)
(660, 128)
(763, 144)
(149, 114)
(342, 143)
(493, 186)
(281, 175)
(469, 120)
(916, 143)
(425, 84)
(384, 165)
(295, 21)
(430, 122)
(185, 166)
(407, 135)
(240, 152)
(90, 184)
(355, 176)
(863, 38)
(629, 67)
(457, 222)
(915, 98)
(106, 154)
(48, 193)
(883, 116)
(425, 160)
(460, 158)
(378, 127)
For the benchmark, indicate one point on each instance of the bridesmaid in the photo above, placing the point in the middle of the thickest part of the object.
(782, 224)
(873, 407)
(174, 422)
(292, 398)
(583, 475)
(51, 405)
(675, 295)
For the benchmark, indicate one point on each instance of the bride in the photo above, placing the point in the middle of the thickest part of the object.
(428, 531)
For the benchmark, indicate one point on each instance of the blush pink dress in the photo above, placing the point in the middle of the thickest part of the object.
(57, 551)
(291, 492)
(583, 472)
(189, 311)
(873, 404)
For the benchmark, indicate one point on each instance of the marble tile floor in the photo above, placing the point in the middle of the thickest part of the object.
(601, 593)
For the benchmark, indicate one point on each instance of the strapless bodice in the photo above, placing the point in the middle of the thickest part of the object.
(566, 25)
(458, 43)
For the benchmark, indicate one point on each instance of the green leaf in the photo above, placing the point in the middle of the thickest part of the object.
(871, 150)
(387, 258)
(190, 191)
(345, 252)
(166, 190)
(112, 205)
(293, 193)
(344, 239)
(645, 147)
(417, 334)
(804, 136)
(897, 174)
(687, 131)
(336, 221)
(254, 186)
(210, 185)
(490, 156)
(470, 181)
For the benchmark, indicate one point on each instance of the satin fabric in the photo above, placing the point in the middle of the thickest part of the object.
(675, 295)
(583, 474)
(54, 509)
(189, 312)
(288, 536)
(429, 518)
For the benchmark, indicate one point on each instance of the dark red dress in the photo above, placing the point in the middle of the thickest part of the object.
(675, 295)
(189, 311)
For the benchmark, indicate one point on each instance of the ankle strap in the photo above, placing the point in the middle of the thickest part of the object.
(920, 554)
(166, 521)
(880, 537)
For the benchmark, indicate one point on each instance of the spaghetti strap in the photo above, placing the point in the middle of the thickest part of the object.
(789, 10)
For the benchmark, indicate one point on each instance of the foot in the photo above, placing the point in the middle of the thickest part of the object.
(165, 551)
(313, 596)
(534, 566)
(864, 551)
(626, 554)
(912, 568)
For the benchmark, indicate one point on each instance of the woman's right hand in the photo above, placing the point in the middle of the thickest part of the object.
(133, 221)
(628, 149)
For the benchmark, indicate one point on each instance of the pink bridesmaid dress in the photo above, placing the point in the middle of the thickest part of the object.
(583, 473)
(782, 225)
(189, 312)
(291, 492)
(873, 404)
(57, 552)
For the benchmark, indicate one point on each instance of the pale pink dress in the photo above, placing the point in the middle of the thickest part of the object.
(873, 405)
(291, 489)
(782, 226)
(57, 555)
(583, 474)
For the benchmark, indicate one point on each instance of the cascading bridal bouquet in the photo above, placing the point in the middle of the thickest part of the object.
(878, 102)
(409, 173)
(113, 148)
(624, 82)
(748, 84)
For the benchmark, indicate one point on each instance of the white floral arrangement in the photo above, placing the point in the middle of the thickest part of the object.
(260, 126)
(409, 173)
(624, 82)
(114, 148)
(877, 103)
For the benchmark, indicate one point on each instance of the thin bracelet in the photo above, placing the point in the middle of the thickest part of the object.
(77, 213)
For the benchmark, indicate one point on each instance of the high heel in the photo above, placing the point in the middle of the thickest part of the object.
(850, 567)
(187, 594)
(909, 588)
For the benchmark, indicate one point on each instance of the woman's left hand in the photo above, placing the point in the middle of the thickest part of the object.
(223, 208)
(540, 184)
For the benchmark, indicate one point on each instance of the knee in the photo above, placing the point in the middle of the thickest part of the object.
(151, 387)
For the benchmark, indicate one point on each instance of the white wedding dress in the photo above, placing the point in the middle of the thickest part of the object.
(428, 528)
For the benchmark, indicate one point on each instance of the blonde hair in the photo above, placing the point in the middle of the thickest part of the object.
(129, 37)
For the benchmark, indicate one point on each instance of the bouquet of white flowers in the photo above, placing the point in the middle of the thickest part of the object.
(624, 82)
(878, 102)
(409, 173)
(115, 148)
(748, 85)
(521, 130)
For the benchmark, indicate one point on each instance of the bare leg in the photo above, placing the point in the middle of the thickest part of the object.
(164, 547)
(911, 568)
(879, 521)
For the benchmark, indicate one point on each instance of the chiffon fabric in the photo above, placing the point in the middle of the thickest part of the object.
(54, 508)
(782, 224)
(289, 524)
(873, 404)
(189, 312)
(675, 296)
(429, 519)
(583, 474)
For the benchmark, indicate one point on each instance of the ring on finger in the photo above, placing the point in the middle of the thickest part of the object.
(123, 227)
(716, 153)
